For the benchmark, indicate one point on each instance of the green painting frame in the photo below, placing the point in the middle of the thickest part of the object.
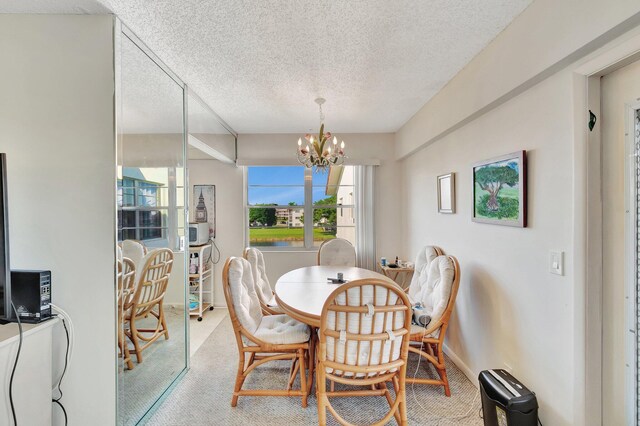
(500, 190)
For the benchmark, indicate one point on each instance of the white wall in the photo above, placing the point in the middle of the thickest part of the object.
(56, 122)
(519, 93)
(510, 310)
(229, 211)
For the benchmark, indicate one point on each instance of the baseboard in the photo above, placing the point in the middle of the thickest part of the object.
(473, 378)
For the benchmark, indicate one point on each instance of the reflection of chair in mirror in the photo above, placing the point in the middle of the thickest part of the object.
(364, 342)
(260, 280)
(438, 298)
(262, 338)
(134, 250)
(337, 252)
(126, 282)
(149, 293)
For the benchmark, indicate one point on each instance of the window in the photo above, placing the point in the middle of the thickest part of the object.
(138, 206)
(280, 199)
(149, 202)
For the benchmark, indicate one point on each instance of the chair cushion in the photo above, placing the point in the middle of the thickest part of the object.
(437, 289)
(259, 272)
(281, 330)
(243, 294)
(421, 272)
(376, 351)
(133, 250)
(337, 252)
(273, 305)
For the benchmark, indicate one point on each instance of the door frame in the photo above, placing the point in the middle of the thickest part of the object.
(588, 225)
(630, 263)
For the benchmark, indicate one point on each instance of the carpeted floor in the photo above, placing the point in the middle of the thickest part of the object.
(162, 362)
(204, 394)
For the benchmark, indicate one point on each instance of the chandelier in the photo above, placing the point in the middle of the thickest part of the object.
(320, 152)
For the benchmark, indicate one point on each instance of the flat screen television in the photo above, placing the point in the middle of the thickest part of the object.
(5, 271)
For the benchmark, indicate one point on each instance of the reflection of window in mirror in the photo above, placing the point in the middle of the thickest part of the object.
(148, 204)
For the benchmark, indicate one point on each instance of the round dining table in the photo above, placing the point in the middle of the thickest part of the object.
(301, 293)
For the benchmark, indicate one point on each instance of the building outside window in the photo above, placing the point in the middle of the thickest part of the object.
(280, 198)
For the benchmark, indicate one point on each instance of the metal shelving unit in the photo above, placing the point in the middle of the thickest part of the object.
(201, 283)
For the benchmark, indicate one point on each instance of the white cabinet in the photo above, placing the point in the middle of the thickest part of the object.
(32, 382)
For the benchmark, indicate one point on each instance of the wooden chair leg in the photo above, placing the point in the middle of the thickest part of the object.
(321, 388)
(387, 395)
(293, 371)
(442, 370)
(127, 358)
(124, 349)
(163, 321)
(401, 393)
(312, 361)
(303, 377)
(135, 339)
(239, 380)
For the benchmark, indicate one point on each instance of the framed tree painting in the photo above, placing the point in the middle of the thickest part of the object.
(500, 190)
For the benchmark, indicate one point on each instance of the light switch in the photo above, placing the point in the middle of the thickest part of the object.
(556, 262)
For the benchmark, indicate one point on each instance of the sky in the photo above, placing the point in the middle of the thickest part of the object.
(290, 185)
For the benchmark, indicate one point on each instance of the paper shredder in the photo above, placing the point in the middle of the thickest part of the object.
(506, 401)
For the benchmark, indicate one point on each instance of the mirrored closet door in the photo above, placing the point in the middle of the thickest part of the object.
(151, 217)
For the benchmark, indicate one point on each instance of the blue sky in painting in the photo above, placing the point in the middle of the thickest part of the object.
(282, 185)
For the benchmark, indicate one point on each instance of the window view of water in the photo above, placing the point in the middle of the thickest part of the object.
(277, 243)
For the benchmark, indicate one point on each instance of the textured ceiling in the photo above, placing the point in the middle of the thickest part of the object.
(260, 64)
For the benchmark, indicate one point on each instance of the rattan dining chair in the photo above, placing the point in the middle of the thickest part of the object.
(337, 252)
(148, 299)
(126, 282)
(262, 338)
(439, 297)
(364, 341)
(261, 281)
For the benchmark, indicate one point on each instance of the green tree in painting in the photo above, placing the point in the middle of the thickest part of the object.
(267, 217)
(492, 179)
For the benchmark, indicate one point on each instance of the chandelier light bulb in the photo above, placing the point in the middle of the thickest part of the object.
(342, 145)
(335, 140)
(299, 142)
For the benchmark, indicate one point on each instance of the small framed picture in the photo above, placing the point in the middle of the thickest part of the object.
(500, 190)
(204, 206)
(447, 193)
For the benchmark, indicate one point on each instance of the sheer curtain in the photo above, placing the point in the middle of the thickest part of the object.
(365, 217)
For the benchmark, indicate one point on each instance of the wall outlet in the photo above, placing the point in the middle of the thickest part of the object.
(556, 262)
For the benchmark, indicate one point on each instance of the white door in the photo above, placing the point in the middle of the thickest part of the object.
(619, 120)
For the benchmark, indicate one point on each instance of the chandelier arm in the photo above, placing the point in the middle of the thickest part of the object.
(314, 156)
